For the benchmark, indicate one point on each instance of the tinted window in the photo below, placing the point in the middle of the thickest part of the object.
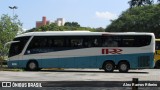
(92, 41)
(43, 44)
(16, 48)
(76, 42)
(126, 41)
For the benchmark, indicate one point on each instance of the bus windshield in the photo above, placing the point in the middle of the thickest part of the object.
(17, 47)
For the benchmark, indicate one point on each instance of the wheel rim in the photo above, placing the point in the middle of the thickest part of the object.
(123, 67)
(32, 65)
(109, 67)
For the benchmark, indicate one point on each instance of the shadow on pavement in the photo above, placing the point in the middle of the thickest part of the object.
(77, 71)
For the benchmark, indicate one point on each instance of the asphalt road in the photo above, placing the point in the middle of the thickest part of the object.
(80, 75)
(81, 79)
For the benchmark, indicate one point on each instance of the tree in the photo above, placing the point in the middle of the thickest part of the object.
(69, 26)
(72, 24)
(9, 28)
(100, 29)
(134, 3)
(138, 19)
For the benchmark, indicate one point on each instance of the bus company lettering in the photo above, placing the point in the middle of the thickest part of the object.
(111, 51)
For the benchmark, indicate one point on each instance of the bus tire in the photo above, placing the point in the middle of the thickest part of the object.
(108, 66)
(157, 64)
(123, 67)
(32, 65)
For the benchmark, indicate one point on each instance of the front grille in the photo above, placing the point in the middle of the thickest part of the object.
(143, 61)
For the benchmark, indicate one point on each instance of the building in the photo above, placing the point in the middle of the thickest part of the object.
(60, 21)
(43, 22)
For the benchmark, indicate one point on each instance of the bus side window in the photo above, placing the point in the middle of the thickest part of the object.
(58, 42)
(44, 43)
(50, 43)
(87, 42)
(96, 42)
(92, 41)
(36, 45)
(109, 42)
(76, 43)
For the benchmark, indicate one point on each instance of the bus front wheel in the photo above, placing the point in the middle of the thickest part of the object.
(108, 66)
(32, 66)
(123, 67)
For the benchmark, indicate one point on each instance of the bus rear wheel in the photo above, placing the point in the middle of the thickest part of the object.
(108, 66)
(123, 67)
(32, 66)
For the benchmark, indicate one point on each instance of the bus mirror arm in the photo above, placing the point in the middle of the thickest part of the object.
(10, 43)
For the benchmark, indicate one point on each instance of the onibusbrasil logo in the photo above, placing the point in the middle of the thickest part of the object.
(21, 84)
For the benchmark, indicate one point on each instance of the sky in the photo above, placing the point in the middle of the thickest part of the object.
(88, 13)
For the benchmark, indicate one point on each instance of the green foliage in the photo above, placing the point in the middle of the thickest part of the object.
(100, 29)
(138, 19)
(72, 24)
(69, 26)
(134, 3)
(9, 27)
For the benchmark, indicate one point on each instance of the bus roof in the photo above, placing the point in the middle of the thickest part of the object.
(72, 33)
